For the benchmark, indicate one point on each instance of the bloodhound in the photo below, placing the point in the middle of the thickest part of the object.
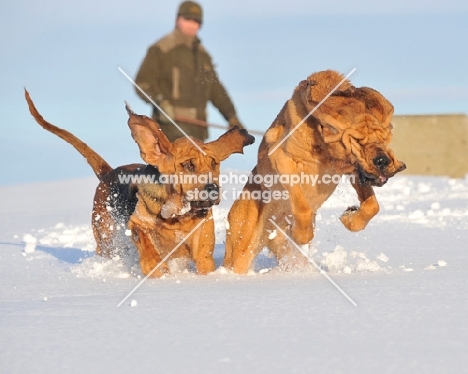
(165, 203)
(347, 134)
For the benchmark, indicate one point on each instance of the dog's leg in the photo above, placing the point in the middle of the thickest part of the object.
(243, 235)
(302, 230)
(357, 218)
(102, 223)
(149, 256)
(202, 246)
(102, 235)
(143, 237)
(286, 253)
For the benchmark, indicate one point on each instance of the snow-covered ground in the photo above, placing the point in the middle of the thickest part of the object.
(407, 273)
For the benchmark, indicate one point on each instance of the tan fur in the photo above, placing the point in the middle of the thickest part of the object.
(159, 215)
(347, 135)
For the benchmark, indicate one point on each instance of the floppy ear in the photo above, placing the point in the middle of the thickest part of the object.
(331, 124)
(376, 104)
(153, 143)
(329, 133)
(303, 84)
(233, 141)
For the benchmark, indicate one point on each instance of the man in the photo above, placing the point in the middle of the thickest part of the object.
(177, 73)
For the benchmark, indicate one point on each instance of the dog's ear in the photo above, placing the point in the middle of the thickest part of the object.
(376, 104)
(233, 141)
(153, 143)
(329, 133)
(329, 124)
(303, 84)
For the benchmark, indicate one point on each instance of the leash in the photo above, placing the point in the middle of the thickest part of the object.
(198, 122)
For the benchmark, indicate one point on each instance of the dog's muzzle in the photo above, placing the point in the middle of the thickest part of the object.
(206, 198)
(381, 163)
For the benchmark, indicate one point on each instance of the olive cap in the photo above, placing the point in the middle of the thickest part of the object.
(191, 10)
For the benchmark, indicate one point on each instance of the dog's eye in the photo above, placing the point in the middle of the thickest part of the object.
(189, 166)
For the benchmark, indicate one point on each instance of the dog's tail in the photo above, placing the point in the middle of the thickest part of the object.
(97, 163)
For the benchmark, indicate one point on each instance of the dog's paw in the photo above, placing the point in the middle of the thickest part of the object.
(206, 266)
(147, 268)
(352, 220)
(302, 235)
(295, 263)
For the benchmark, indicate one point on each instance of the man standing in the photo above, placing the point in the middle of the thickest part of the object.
(178, 74)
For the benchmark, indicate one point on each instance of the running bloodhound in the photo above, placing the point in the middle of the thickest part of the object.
(159, 215)
(347, 134)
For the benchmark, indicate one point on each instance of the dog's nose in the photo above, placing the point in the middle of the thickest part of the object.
(211, 187)
(381, 162)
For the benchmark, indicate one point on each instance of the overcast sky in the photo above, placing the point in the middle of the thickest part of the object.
(67, 53)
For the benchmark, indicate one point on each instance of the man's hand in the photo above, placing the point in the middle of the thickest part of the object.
(167, 107)
(234, 121)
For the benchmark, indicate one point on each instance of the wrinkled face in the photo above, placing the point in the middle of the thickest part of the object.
(355, 124)
(372, 163)
(195, 175)
(189, 167)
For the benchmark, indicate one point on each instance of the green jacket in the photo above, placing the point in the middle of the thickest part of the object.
(177, 68)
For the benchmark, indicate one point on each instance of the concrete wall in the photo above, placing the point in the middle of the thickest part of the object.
(432, 144)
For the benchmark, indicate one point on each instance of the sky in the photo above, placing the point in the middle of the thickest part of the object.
(68, 55)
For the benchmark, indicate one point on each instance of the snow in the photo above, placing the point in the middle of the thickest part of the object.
(407, 273)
